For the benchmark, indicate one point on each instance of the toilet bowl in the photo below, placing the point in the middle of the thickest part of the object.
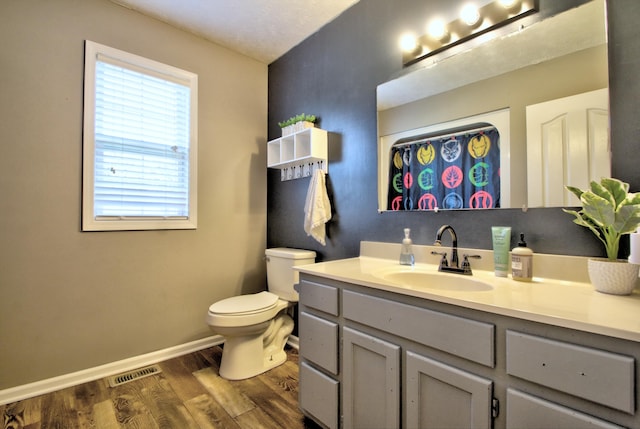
(256, 326)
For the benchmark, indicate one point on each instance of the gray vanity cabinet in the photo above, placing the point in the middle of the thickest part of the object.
(376, 359)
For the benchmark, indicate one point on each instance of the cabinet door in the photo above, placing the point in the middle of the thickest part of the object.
(371, 382)
(441, 396)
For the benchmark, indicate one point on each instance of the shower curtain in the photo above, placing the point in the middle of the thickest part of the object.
(449, 171)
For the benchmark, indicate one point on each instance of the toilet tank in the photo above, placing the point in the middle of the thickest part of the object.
(280, 273)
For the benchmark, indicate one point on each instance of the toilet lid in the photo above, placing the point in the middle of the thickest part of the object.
(245, 303)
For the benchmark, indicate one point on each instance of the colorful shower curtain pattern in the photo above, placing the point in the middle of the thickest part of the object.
(451, 172)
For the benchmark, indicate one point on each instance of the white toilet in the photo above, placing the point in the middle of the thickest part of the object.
(256, 326)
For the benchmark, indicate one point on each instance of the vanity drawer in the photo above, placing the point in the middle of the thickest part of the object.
(529, 412)
(319, 296)
(459, 336)
(319, 341)
(319, 395)
(596, 375)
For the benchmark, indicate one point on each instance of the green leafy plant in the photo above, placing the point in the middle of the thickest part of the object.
(298, 118)
(609, 210)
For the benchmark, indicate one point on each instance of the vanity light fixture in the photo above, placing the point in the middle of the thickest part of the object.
(473, 21)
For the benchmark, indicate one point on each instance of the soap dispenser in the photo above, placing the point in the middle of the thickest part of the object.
(522, 261)
(406, 253)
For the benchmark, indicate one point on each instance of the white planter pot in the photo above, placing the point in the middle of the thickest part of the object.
(297, 127)
(303, 125)
(613, 277)
(288, 130)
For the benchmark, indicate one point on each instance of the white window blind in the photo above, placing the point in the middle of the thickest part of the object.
(143, 160)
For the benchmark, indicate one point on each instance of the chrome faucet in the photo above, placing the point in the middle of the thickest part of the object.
(453, 266)
(454, 244)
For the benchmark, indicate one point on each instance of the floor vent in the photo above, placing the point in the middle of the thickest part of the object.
(117, 380)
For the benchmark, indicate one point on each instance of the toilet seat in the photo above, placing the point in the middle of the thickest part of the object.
(245, 310)
(245, 304)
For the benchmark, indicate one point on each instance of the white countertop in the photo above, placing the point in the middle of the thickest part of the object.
(569, 304)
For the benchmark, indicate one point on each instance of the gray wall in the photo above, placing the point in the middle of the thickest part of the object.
(71, 300)
(334, 75)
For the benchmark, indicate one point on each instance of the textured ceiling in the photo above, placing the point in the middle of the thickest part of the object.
(261, 29)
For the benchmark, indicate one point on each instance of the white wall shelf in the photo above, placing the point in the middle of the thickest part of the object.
(299, 154)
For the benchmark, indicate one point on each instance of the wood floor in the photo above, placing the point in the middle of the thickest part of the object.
(187, 394)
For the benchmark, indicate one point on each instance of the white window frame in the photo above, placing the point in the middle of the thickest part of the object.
(94, 51)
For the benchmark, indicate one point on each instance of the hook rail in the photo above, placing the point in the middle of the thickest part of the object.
(302, 170)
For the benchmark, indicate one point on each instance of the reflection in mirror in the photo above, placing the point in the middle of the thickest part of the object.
(552, 59)
(568, 143)
(469, 159)
(440, 166)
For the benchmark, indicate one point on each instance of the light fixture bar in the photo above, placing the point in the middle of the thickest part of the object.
(491, 16)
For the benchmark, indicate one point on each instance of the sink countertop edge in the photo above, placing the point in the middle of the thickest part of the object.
(569, 304)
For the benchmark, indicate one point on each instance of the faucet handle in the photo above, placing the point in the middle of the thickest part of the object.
(466, 265)
(443, 260)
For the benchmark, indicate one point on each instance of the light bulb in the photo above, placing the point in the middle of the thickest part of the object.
(438, 29)
(408, 43)
(469, 14)
(508, 4)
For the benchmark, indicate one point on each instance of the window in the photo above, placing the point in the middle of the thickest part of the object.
(140, 143)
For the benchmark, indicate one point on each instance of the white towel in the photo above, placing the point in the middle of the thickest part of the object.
(317, 208)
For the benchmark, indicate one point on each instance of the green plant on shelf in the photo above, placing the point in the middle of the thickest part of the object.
(298, 118)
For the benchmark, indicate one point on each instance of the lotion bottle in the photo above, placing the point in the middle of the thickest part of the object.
(406, 253)
(522, 261)
(501, 237)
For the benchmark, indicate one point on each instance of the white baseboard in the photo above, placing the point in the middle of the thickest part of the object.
(41, 387)
(294, 342)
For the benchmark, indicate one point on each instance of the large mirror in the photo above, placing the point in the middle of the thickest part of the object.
(496, 83)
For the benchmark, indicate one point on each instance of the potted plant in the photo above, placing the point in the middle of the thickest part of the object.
(610, 211)
(297, 123)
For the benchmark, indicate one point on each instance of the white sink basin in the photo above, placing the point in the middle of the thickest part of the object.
(424, 280)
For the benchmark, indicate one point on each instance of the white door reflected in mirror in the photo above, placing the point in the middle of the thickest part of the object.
(568, 144)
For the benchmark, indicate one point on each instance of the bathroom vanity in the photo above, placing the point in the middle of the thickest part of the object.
(385, 346)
